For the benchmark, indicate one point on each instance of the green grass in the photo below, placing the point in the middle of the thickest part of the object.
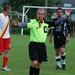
(19, 62)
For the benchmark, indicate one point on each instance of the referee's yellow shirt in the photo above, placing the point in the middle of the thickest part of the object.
(37, 34)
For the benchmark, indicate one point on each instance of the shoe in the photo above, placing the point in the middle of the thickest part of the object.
(58, 68)
(5, 69)
(63, 66)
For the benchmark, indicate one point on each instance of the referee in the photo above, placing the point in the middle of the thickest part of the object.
(38, 33)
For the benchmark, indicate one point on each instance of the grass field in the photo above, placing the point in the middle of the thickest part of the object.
(19, 62)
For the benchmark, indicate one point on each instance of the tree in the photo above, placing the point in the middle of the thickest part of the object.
(18, 5)
(1, 10)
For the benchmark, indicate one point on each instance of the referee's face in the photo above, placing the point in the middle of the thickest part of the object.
(59, 13)
(40, 15)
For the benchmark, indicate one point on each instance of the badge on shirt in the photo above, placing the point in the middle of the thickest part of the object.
(45, 29)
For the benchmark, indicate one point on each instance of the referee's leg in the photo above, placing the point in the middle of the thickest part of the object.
(35, 66)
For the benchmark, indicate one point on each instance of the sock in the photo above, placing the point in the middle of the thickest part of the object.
(37, 71)
(5, 61)
(31, 72)
(63, 56)
(58, 61)
(34, 71)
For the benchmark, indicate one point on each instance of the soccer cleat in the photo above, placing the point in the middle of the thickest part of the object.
(58, 68)
(5, 69)
(63, 66)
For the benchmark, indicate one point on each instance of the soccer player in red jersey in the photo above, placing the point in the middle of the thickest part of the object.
(5, 35)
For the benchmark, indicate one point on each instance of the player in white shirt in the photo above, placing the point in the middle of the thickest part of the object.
(5, 35)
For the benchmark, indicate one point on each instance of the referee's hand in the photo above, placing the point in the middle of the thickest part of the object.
(15, 22)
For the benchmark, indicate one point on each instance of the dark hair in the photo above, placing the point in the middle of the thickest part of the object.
(59, 8)
(5, 7)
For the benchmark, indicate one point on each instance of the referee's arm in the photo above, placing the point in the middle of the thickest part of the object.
(22, 24)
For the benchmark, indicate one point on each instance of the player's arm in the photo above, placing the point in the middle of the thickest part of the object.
(57, 22)
(68, 37)
(50, 36)
(63, 18)
(68, 33)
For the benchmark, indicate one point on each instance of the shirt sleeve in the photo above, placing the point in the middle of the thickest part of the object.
(58, 21)
(62, 19)
(23, 24)
(28, 25)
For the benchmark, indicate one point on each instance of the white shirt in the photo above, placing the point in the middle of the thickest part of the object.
(4, 28)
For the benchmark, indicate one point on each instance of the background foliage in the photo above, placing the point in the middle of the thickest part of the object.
(17, 5)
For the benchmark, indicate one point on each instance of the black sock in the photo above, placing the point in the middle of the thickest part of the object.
(63, 56)
(32, 70)
(37, 71)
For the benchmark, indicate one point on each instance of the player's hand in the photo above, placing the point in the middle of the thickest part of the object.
(15, 22)
(67, 12)
(67, 39)
(50, 40)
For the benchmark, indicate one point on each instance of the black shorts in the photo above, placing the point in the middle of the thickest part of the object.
(59, 42)
(37, 51)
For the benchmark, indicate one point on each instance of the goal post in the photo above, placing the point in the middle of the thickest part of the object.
(28, 7)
